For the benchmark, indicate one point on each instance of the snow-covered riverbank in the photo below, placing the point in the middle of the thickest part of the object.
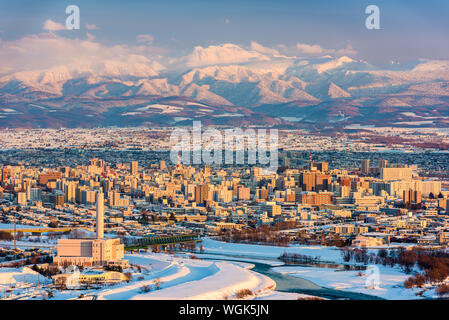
(391, 279)
(182, 278)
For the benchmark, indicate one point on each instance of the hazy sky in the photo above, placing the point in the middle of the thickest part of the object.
(410, 29)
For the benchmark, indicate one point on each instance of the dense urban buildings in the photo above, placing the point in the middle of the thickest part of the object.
(101, 210)
(136, 199)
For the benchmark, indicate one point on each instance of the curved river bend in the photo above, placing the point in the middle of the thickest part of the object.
(288, 283)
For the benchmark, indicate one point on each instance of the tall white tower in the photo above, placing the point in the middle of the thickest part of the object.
(100, 215)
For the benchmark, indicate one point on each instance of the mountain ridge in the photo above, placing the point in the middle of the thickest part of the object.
(258, 86)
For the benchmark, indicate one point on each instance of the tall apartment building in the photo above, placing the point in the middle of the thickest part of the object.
(262, 194)
(314, 181)
(78, 192)
(313, 198)
(50, 176)
(134, 167)
(365, 166)
(87, 197)
(290, 195)
(69, 191)
(243, 193)
(36, 194)
(114, 198)
(396, 188)
(223, 195)
(202, 193)
(382, 164)
(307, 181)
(57, 199)
(411, 196)
(396, 173)
(271, 208)
(21, 198)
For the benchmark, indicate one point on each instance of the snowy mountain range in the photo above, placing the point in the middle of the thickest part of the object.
(227, 85)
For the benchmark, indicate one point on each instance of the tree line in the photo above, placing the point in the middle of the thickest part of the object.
(262, 234)
(429, 266)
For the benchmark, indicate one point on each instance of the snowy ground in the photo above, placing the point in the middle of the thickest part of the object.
(185, 278)
(391, 279)
(10, 226)
(44, 241)
(27, 244)
(270, 262)
(180, 278)
(21, 283)
(11, 276)
(192, 279)
(326, 254)
(390, 284)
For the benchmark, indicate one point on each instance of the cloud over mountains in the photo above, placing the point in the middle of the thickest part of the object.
(55, 48)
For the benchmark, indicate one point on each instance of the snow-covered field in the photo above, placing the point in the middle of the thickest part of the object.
(21, 283)
(179, 278)
(270, 262)
(390, 285)
(182, 278)
(28, 244)
(326, 254)
(12, 276)
(10, 226)
(391, 279)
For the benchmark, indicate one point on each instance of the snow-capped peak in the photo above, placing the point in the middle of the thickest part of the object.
(336, 92)
(332, 64)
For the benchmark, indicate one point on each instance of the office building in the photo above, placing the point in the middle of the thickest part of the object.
(134, 167)
(365, 166)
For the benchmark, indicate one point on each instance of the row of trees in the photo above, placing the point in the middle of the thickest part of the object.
(296, 257)
(262, 234)
(5, 236)
(434, 264)
(31, 260)
(46, 272)
(189, 246)
(360, 256)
